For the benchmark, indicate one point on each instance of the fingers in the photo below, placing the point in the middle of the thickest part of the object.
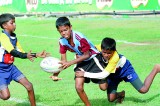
(64, 65)
(43, 54)
(48, 54)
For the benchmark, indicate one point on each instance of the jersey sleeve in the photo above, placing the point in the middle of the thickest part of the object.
(84, 45)
(100, 75)
(5, 42)
(98, 47)
(19, 47)
(112, 64)
(62, 49)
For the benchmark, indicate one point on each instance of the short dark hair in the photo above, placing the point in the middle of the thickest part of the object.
(108, 44)
(5, 18)
(62, 21)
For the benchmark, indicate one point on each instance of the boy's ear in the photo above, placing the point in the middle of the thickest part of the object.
(4, 25)
(70, 26)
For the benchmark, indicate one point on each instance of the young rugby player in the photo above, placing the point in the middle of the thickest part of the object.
(85, 51)
(10, 48)
(123, 71)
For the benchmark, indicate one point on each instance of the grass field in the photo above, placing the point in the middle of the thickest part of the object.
(137, 38)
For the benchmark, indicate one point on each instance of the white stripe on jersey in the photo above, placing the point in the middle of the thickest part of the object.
(100, 75)
(121, 62)
(1, 53)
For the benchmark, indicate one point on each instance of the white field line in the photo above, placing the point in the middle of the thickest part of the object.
(134, 43)
(24, 101)
(52, 38)
(40, 37)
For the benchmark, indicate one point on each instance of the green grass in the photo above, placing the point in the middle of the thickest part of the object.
(30, 32)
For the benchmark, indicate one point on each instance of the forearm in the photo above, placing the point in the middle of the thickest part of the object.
(16, 53)
(81, 58)
(100, 75)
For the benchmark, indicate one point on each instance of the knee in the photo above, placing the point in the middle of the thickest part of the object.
(111, 99)
(29, 87)
(5, 97)
(79, 88)
(143, 91)
(103, 88)
(157, 67)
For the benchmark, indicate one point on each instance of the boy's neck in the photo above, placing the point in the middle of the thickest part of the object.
(70, 41)
(8, 33)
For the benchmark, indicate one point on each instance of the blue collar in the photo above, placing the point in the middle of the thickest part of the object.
(13, 34)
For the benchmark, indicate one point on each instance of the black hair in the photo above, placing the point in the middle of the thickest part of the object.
(5, 18)
(62, 21)
(108, 44)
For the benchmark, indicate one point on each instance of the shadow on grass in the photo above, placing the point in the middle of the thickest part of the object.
(27, 103)
(94, 102)
(104, 102)
(137, 100)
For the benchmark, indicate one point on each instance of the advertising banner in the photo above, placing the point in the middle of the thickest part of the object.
(76, 5)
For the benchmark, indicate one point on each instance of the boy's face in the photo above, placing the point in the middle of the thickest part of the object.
(107, 54)
(10, 26)
(65, 31)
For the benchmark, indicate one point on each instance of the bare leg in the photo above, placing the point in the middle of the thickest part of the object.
(149, 79)
(29, 89)
(5, 94)
(79, 84)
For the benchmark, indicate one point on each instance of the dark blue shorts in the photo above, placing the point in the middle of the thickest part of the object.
(127, 74)
(13, 74)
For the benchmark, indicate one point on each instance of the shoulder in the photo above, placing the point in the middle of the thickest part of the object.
(98, 47)
(3, 36)
(76, 32)
(63, 41)
(78, 35)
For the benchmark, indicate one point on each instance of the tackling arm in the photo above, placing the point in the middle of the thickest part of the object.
(110, 68)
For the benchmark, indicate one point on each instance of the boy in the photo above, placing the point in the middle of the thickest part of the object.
(85, 52)
(124, 71)
(10, 48)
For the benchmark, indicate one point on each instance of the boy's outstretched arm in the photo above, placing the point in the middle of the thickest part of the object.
(110, 68)
(28, 55)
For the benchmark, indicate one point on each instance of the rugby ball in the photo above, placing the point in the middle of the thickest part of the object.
(50, 64)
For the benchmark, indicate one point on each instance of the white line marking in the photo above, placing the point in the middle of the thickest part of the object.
(49, 38)
(41, 37)
(132, 42)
